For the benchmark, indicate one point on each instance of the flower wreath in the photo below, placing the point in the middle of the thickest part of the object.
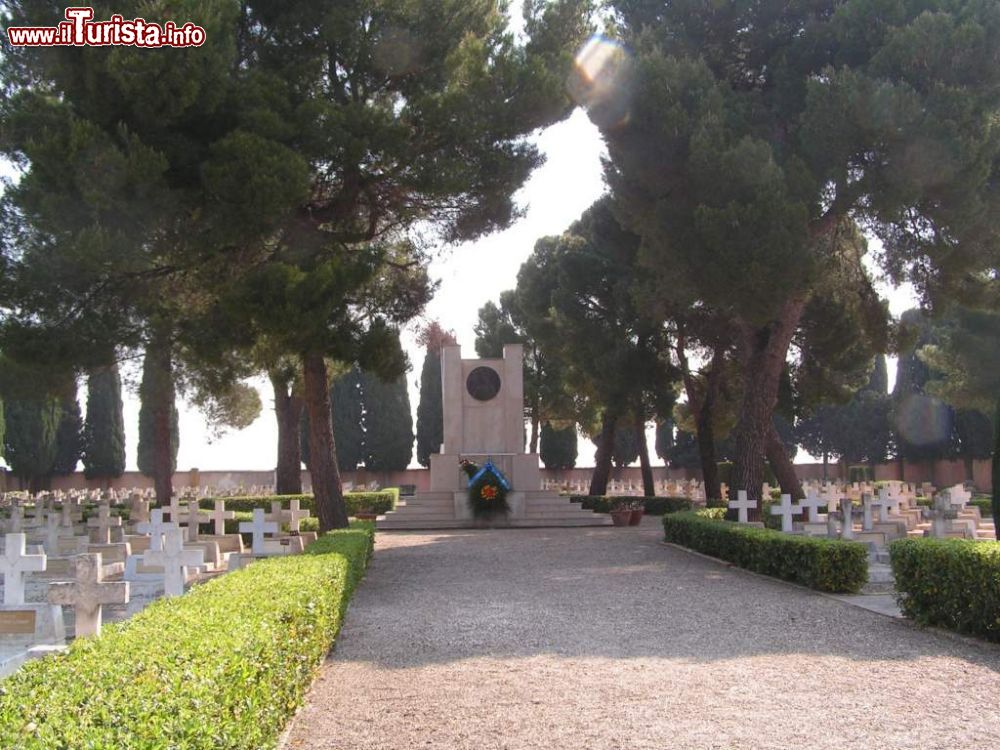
(488, 489)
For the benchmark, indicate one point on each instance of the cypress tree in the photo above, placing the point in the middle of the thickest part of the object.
(430, 414)
(69, 435)
(30, 439)
(557, 446)
(388, 424)
(348, 412)
(156, 389)
(104, 429)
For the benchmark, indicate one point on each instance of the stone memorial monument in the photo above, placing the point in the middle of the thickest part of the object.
(483, 410)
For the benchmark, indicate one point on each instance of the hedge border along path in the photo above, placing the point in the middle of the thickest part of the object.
(224, 666)
(951, 583)
(822, 564)
(380, 501)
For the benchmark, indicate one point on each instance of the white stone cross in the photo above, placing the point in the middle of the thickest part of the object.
(174, 509)
(219, 517)
(277, 513)
(847, 513)
(887, 502)
(16, 522)
(812, 502)
(294, 515)
(14, 564)
(69, 515)
(867, 523)
(103, 523)
(52, 534)
(258, 528)
(942, 514)
(193, 517)
(88, 592)
(786, 510)
(175, 560)
(742, 505)
(155, 527)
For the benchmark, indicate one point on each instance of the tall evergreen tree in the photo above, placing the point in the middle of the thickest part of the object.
(965, 362)
(69, 434)
(388, 424)
(104, 429)
(158, 421)
(30, 439)
(664, 439)
(923, 424)
(430, 410)
(557, 446)
(348, 396)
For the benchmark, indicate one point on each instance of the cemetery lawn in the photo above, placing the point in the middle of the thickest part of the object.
(605, 638)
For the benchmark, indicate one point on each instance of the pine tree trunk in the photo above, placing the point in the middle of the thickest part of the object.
(602, 459)
(782, 466)
(765, 351)
(288, 411)
(706, 454)
(995, 491)
(648, 486)
(163, 404)
(327, 489)
(826, 464)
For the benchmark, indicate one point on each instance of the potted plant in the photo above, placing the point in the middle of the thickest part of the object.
(637, 511)
(621, 514)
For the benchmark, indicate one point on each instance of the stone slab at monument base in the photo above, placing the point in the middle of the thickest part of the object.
(450, 510)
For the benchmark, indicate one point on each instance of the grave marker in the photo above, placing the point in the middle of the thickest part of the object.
(88, 593)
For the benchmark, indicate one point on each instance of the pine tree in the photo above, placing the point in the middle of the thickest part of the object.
(347, 397)
(388, 424)
(30, 439)
(741, 141)
(557, 446)
(104, 429)
(69, 435)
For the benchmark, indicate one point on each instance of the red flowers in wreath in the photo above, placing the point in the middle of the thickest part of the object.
(488, 492)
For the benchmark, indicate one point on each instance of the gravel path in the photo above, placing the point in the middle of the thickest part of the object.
(605, 638)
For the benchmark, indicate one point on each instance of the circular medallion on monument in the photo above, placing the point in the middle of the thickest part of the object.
(483, 383)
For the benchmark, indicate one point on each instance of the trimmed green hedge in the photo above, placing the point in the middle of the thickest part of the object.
(952, 583)
(223, 667)
(654, 506)
(822, 564)
(380, 502)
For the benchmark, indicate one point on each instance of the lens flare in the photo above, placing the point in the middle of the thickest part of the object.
(600, 80)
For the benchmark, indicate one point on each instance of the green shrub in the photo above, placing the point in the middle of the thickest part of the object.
(381, 501)
(823, 564)
(222, 667)
(952, 583)
(985, 506)
(654, 506)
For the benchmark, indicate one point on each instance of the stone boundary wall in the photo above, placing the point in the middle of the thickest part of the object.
(940, 473)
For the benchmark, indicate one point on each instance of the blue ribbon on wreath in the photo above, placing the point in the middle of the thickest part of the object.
(487, 469)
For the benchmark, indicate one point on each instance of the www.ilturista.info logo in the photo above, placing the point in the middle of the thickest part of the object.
(79, 30)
